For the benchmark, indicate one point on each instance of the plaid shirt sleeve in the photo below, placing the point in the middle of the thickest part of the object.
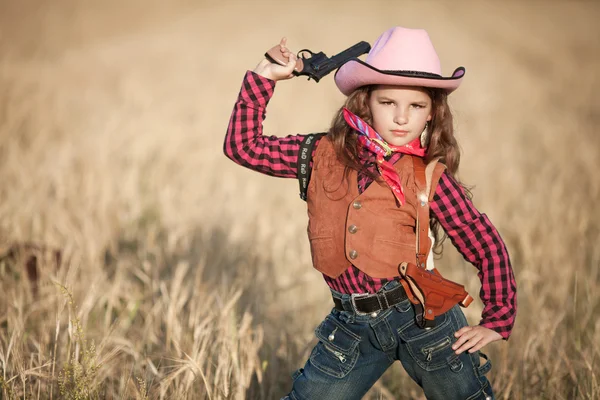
(244, 141)
(474, 236)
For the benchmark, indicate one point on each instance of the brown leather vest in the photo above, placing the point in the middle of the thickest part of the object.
(368, 230)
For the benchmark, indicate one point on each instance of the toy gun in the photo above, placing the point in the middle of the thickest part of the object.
(317, 65)
(430, 293)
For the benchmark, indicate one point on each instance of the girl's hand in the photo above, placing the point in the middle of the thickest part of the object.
(278, 72)
(473, 338)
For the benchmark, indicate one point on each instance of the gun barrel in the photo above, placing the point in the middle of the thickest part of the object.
(319, 65)
(358, 49)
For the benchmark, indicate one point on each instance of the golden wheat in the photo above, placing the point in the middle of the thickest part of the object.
(184, 276)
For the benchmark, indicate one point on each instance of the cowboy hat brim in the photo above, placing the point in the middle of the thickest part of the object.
(356, 73)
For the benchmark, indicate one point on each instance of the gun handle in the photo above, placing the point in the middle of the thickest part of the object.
(276, 56)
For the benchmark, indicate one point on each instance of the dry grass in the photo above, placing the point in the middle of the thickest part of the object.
(176, 263)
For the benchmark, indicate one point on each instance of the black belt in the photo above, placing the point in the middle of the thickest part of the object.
(370, 303)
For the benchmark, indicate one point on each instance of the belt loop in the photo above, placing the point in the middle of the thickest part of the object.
(387, 303)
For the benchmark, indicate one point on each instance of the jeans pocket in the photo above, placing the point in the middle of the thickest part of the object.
(431, 349)
(337, 351)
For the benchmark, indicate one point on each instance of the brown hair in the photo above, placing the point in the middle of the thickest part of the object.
(442, 143)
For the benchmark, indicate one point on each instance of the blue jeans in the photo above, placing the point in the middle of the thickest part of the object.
(354, 350)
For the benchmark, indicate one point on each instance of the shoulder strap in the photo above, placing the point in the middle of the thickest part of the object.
(423, 176)
(304, 157)
(429, 171)
(422, 223)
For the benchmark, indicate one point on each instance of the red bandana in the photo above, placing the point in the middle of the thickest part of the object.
(372, 141)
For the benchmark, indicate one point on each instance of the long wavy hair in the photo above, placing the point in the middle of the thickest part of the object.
(441, 143)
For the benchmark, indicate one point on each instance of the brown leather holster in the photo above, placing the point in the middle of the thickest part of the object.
(431, 293)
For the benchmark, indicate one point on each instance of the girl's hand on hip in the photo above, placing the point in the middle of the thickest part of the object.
(473, 338)
(278, 72)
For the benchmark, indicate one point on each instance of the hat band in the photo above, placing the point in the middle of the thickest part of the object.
(411, 73)
(457, 74)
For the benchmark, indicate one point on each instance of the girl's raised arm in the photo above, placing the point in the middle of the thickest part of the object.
(244, 141)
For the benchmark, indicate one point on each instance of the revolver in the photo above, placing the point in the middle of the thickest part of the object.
(317, 65)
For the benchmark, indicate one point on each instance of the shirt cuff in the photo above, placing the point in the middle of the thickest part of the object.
(503, 331)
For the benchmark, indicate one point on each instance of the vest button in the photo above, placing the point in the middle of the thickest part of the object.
(356, 205)
(353, 254)
(352, 228)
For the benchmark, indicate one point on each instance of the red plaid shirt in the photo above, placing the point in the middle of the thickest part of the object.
(471, 232)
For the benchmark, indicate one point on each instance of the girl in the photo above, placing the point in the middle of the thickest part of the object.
(362, 207)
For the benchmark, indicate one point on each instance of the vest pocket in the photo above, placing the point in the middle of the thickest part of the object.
(337, 351)
(383, 241)
(385, 250)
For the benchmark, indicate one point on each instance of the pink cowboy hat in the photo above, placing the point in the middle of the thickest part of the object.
(400, 56)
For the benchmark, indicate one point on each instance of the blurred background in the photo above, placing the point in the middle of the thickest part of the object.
(163, 270)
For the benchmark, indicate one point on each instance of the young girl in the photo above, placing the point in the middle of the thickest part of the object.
(362, 207)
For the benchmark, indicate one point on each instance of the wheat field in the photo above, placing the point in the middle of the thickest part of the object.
(184, 276)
